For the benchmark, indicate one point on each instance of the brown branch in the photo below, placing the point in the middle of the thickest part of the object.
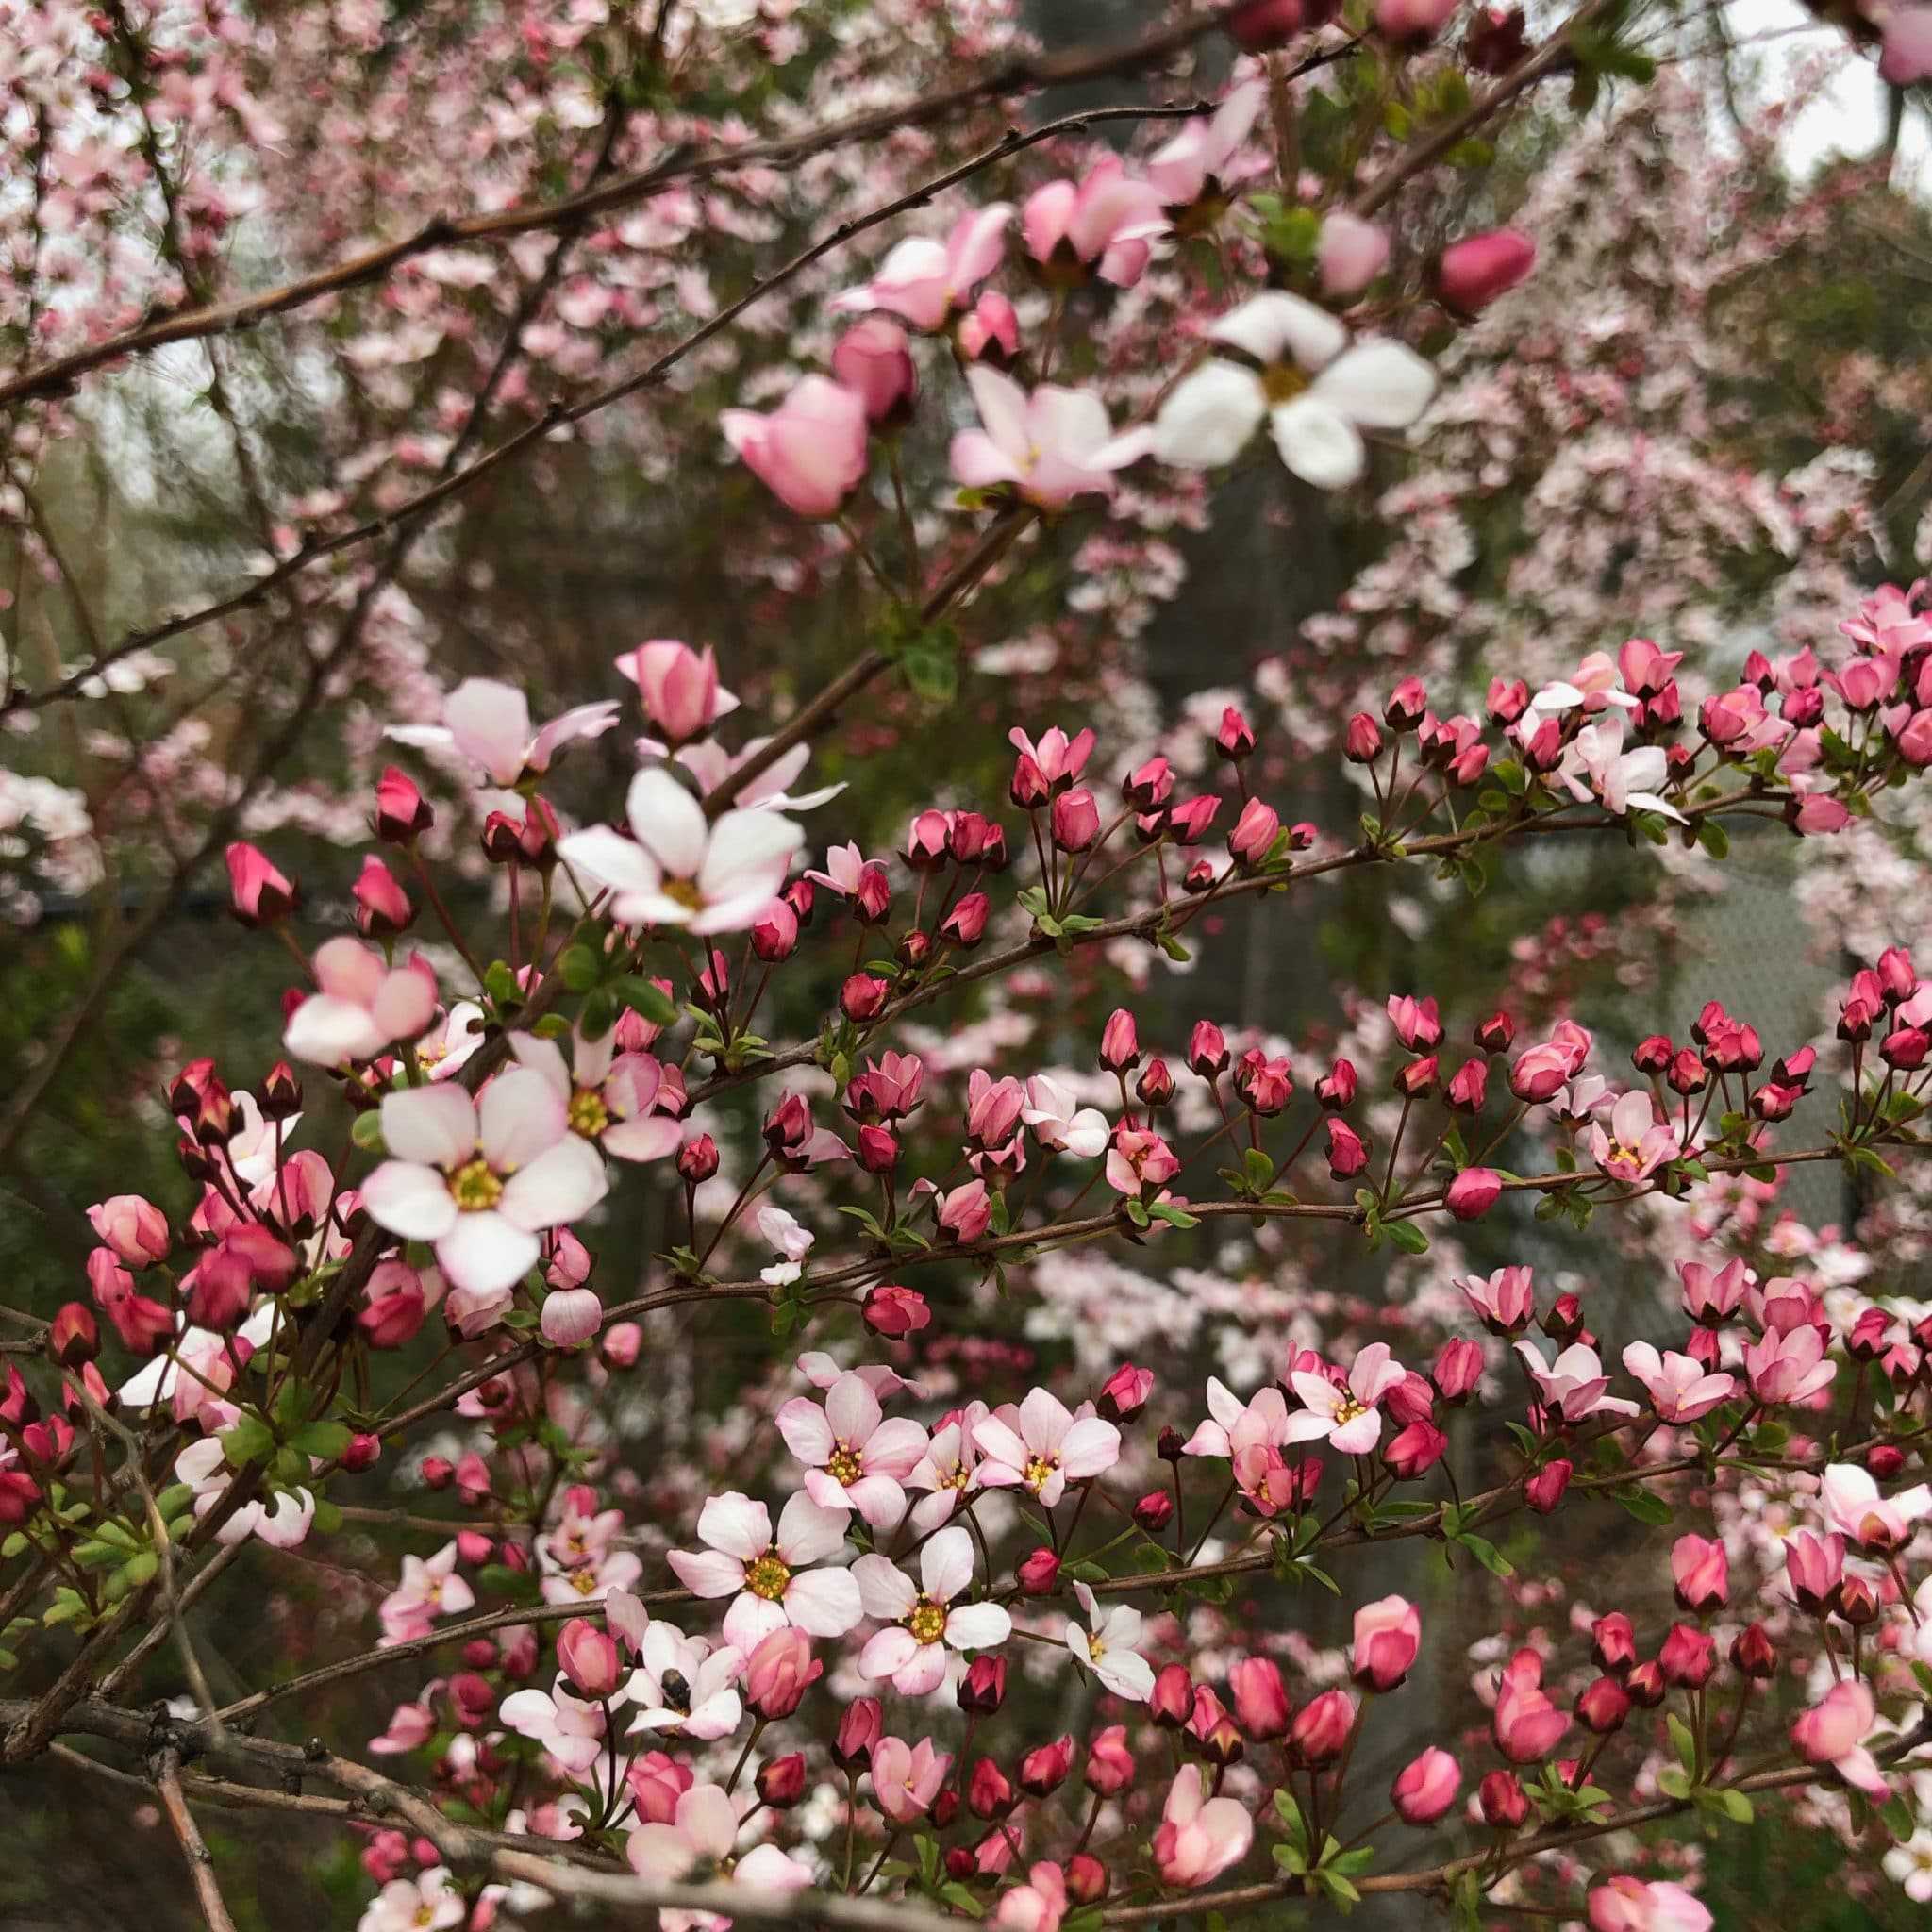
(201, 1864)
(1024, 75)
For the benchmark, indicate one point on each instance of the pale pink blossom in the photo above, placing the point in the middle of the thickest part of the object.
(430, 1588)
(570, 1728)
(1855, 1507)
(1631, 1904)
(906, 1778)
(1350, 1418)
(1107, 221)
(482, 1181)
(768, 1577)
(923, 280)
(949, 1470)
(854, 1456)
(428, 1902)
(1199, 1837)
(678, 687)
(1637, 1143)
(1680, 1390)
(1205, 151)
(1057, 1122)
(610, 1097)
(360, 1006)
(923, 1622)
(684, 1686)
(1050, 448)
(1572, 1386)
(488, 723)
(811, 451)
(1043, 1446)
(1833, 1731)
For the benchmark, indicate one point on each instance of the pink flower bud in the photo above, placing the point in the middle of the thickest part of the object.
(1120, 1045)
(1701, 1572)
(697, 1160)
(1458, 1368)
(1253, 834)
(1039, 1574)
(1415, 1451)
(1362, 739)
(382, 907)
(864, 996)
(1473, 1192)
(1387, 1634)
(402, 815)
(135, 1228)
(778, 1672)
(859, 1731)
(775, 933)
(965, 925)
(1263, 25)
(1207, 1053)
(895, 1312)
(258, 894)
(1545, 1490)
(1348, 1152)
(1349, 253)
(587, 1656)
(1171, 1701)
(983, 1688)
(1044, 1770)
(1472, 273)
(1075, 820)
(1110, 1764)
(1125, 1392)
(989, 331)
(1603, 1707)
(1687, 1658)
(1413, 20)
(809, 452)
(1467, 1090)
(1321, 1728)
(1425, 1786)
(1260, 1698)
(781, 1781)
(874, 361)
(1504, 1801)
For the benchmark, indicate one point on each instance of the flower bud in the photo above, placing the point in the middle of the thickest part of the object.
(874, 360)
(779, 1671)
(1086, 1878)
(1076, 820)
(1613, 1642)
(1426, 1788)
(1171, 1704)
(1687, 1658)
(1110, 1764)
(73, 1338)
(781, 1781)
(1545, 1490)
(382, 907)
(983, 1688)
(1473, 1192)
(989, 1793)
(1459, 1368)
(1120, 1045)
(401, 813)
(1362, 739)
(1260, 1698)
(864, 996)
(1043, 1771)
(1125, 1392)
(1753, 1654)
(965, 925)
(1039, 1574)
(1321, 1728)
(859, 1731)
(587, 1656)
(697, 1159)
(1505, 1804)
(1472, 273)
(1603, 1707)
(258, 893)
(364, 1451)
(1153, 1512)
(1496, 1034)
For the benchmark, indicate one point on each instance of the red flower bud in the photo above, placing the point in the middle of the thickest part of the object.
(781, 1781)
(1039, 1574)
(1472, 273)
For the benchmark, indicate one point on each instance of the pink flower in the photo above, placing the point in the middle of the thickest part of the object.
(1201, 156)
(1833, 1731)
(965, 1213)
(873, 360)
(1527, 1725)
(135, 1228)
(949, 1469)
(811, 451)
(1387, 1634)
(1572, 1386)
(702, 1829)
(1473, 1192)
(1629, 1904)
(1855, 1508)
(360, 1005)
(1109, 1645)
(767, 1576)
(1038, 1906)
(1106, 218)
(853, 1458)
(1425, 1786)
(258, 894)
(922, 281)
(1349, 1418)
(1638, 1143)
(1907, 54)
(1701, 1572)
(1679, 1389)
(428, 1902)
(1041, 1446)
(1791, 1366)
(609, 1097)
(1505, 1302)
(489, 723)
(1815, 1566)
(1139, 1163)
(1349, 253)
(430, 1589)
(1050, 448)
(678, 871)
(906, 1778)
(922, 1623)
(482, 1183)
(1199, 1837)
(678, 687)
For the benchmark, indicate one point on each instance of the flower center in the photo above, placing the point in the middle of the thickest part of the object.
(956, 1478)
(1281, 382)
(845, 1467)
(1037, 1469)
(685, 891)
(927, 1621)
(474, 1187)
(768, 1577)
(1348, 1411)
(588, 1116)
(583, 1581)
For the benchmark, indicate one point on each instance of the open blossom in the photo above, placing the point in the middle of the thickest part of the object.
(1043, 1446)
(1350, 1418)
(767, 1576)
(428, 1902)
(853, 1457)
(678, 687)
(1855, 1507)
(1388, 1635)
(1233, 1426)
(1638, 1143)
(610, 1097)
(1107, 221)
(1505, 1302)
(1789, 1365)
(570, 1728)
(1595, 765)
(678, 871)
(811, 451)
(482, 1181)
(489, 723)
(921, 1622)
(1679, 1389)
(1139, 1163)
(1630, 1905)
(949, 1470)
(360, 1005)
(1057, 1122)
(906, 1778)
(1107, 1645)
(430, 1589)
(685, 1685)
(1833, 1731)
(1572, 1386)
(282, 1522)
(1199, 1837)
(1201, 159)
(1038, 1906)
(1317, 392)
(922, 281)
(1049, 447)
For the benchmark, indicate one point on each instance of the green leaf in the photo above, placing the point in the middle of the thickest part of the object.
(1406, 1236)
(247, 1441)
(326, 1440)
(1487, 1555)
(1643, 1505)
(1713, 838)
(581, 968)
(648, 1000)
(1682, 1741)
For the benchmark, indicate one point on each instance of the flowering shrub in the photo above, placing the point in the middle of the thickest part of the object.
(880, 1649)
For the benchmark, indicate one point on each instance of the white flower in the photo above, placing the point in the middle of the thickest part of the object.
(1317, 392)
(921, 1625)
(283, 1523)
(789, 1239)
(1107, 1647)
(681, 1684)
(853, 1457)
(571, 1728)
(481, 1183)
(1041, 1446)
(766, 1575)
(1596, 765)
(428, 1902)
(1057, 1122)
(678, 871)
(1910, 1865)
(489, 723)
